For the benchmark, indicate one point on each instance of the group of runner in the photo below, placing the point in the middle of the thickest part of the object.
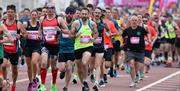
(88, 41)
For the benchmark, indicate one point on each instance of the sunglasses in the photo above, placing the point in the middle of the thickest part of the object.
(97, 12)
(71, 13)
(145, 20)
(50, 7)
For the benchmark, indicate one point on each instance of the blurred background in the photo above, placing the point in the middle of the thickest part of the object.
(62, 4)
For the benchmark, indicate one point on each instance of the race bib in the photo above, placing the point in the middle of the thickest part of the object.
(135, 40)
(50, 33)
(105, 46)
(14, 36)
(33, 35)
(178, 35)
(98, 40)
(171, 30)
(84, 39)
(146, 42)
(65, 35)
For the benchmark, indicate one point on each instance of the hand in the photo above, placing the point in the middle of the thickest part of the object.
(11, 40)
(108, 34)
(91, 40)
(57, 28)
(18, 36)
(1, 41)
(25, 35)
(78, 34)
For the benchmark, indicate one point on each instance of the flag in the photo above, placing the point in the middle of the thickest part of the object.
(151, 6)
(160, 9)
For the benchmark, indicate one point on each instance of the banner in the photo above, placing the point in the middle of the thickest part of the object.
(151, 6)
(160, 9)
(144, 3)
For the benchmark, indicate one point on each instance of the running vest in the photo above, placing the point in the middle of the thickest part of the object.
(33, 38)
(170, 33)
(99, 42)
(117, 37)
(82, 41)
(66, 44)
(1, 47)
(50, 33)
(11, 47)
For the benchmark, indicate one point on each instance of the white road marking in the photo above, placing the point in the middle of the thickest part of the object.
(159, 81)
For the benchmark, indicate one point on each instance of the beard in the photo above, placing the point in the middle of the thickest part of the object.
(84, 18)
(68, 19)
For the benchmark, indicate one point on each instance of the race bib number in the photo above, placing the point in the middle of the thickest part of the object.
(33, 35)
(146, 42)
(65, 35)
(98, 40)
(84, 39)
(105, 46)
(14, 36)
(171, 30)
(178, 35)
(50, 33)
(134, 40)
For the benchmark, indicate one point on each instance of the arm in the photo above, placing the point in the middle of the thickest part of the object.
(74, 28)
(5, 31)
(64, 26)
(95, 31)
(113, 30)
(40, 31)
(22, 30)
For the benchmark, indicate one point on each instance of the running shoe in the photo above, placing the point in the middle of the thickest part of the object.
(53, 87)
(62, 75)
(101, 83)
(30, 86)
(85, 86)
(133, 84)
(65, 89)
(42, 88)
(95, 88)
(92, 78)
(35, 83)
(13, 88)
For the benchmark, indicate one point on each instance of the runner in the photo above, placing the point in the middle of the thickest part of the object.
(76, 17)
(66, 51)
(170, 36)
(108, 55)
(32, 48)
(77, 14)
(98, 49)
(84, 29)
(10, 49)
(116, 44)
(39, 10)
(91, 8)
(3, 30)
(118, 41)
(44, 11)
(177, 43)
(135, 47)
(50, 24)
(1, 13)
(158, 46)
(148, 45)
(24, 18)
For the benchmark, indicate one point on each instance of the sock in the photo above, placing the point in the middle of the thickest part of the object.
(43, 75)
(96, 83)
(173, 54)
(54, 75)
(111, 68)
(166, 55)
